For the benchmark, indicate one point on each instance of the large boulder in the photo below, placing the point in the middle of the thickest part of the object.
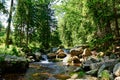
(14, 64)
(76, 51)
(116, 69)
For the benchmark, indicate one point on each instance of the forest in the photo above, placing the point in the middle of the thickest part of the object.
(77, 39)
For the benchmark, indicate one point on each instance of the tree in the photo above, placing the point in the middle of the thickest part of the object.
(33, 20)
(9, 24)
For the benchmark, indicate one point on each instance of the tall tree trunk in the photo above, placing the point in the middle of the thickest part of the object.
(27, 33)
(108, 31)
(116, 19)
(9, 23)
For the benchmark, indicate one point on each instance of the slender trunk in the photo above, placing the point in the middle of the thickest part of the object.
(116, 19)
(27, 37)
(20, 36)
(108, 31)
(9, 23)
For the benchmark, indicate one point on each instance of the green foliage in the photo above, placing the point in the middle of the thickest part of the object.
(34, 18)
(105, 75)
(85, 22)
(12, 50)
(2, 57)
(81, 74)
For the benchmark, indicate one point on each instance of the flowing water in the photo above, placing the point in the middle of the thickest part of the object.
(43, 70)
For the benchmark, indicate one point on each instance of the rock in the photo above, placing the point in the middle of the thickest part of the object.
(67, 60)
(51, 78)
(117, 78)
(61, 55)
(86, 52)
(116, 70)
(92, 72)
(93, 58)
(61, 76)
(37, 56)
(77, 69)
(60, 51)
(108, 63)
(90, 78)
(101, 54)
(51, 56)
(100, 70)
(94, 53)
(76, 51)
(74, 76)
(75, 59)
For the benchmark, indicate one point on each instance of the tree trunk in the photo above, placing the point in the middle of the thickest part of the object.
(27, 36)
(9, 24)
(116, 19)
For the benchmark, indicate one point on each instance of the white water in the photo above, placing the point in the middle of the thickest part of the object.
(45, 59)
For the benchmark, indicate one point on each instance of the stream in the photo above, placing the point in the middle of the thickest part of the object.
(43, 70)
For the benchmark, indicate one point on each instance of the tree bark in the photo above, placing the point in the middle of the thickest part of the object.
(9, 24)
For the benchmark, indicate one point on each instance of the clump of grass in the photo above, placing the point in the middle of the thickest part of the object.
(81, 74)
(105, 75)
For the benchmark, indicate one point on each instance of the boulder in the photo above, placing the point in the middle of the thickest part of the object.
(75, 59)
(51, 56)
(37, 56)
(76, 51)
(61, 55)
(117, 78)
(116, 70)
(60, 51)
(86, 52)
(67, 60)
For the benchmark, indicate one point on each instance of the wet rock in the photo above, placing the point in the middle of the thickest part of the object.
(116, 70)
(61, 55)
(76, 51)
(51, 56)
